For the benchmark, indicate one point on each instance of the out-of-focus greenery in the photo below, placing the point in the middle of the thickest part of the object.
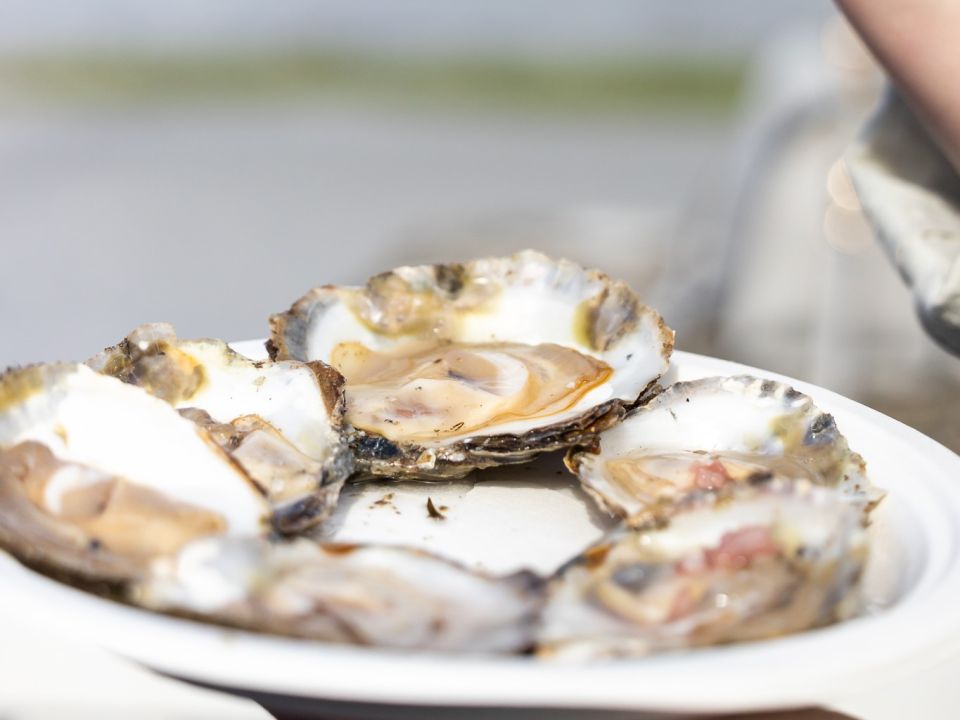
(616, 85)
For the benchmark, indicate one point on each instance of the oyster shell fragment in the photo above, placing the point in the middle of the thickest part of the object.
(281, 422)
(745, 563)
(98, 478)
(705, 434)
(454, 367)
(362, 594)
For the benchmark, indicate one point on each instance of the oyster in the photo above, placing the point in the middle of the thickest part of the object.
(462, 366)
(281, 422)
(364, 594)
(98, 478)
(744, 563)
(708, 433)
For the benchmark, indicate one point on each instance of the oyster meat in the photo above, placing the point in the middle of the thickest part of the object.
(363, 594)
(705, 434)
(98, 478)
(462, 366)
(746, 562)
(280, 421)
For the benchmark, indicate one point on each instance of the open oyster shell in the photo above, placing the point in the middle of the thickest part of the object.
(280, 421)
(363, 594)
(462, 366)
(705, 434)
(99, 478)
(748, 562)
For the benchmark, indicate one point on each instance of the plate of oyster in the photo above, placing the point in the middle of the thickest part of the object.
(480, 484)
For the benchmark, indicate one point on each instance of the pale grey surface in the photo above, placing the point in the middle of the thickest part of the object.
(214, 217)
(421, 26)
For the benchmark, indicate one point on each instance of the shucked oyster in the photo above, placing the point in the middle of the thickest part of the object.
(455, 367)
(748, 562)
(364, 594)
(706, 434)
(280, 421)
(98, 478)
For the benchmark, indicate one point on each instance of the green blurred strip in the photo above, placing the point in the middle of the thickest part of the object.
(621, 85)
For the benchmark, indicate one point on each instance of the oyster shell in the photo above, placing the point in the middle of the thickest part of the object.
(910, 192)
(281, 422)
(462, 366)
(744, 563)
(98, 478)
(704, 434)
(363, 594)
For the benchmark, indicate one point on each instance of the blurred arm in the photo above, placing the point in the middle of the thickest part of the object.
(918, 43)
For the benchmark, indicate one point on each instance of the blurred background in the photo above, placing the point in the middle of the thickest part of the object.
(206, 163)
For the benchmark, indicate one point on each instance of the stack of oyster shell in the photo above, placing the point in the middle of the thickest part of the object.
(185, 478)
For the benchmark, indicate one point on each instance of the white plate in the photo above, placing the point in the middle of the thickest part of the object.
(537, 517)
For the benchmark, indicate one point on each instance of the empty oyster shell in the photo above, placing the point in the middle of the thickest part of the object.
(455, 367)
(98, 478)
(708, 433)
(743, 563)
(364, 594)
(280, 421)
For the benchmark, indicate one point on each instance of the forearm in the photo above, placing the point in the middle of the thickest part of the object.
(918, 43)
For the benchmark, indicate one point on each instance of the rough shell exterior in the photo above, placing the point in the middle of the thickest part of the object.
(413, 299)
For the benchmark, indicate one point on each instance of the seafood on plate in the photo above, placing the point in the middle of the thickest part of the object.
(461, 366)
(183, 477)
(709, 433)
(750, 561)
(362, 594)
(99, 478)
(279, 421)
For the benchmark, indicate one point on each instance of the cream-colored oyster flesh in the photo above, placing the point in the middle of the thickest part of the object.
(745, 563)
(454, 367)
(363, 594)
(281, 421)
(97, 478)
(705, 434)
(479, 386)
